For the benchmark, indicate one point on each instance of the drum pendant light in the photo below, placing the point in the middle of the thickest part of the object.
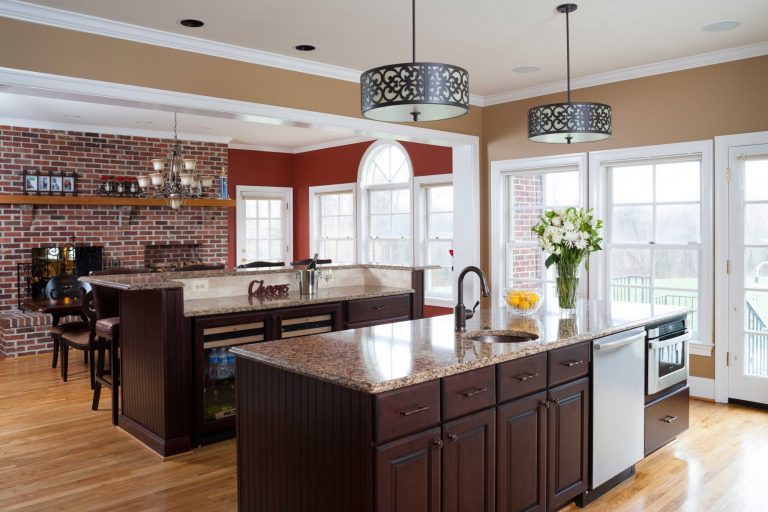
(414, 91)
(570, 121)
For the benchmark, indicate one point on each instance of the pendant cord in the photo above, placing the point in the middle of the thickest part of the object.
(413, 30)
(568, 52)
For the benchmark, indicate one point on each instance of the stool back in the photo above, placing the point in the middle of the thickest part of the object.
(65, 286)
(89, 311)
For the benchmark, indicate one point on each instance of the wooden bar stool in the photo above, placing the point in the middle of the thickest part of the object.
(81, 339)
(108, 336)
(60, 287)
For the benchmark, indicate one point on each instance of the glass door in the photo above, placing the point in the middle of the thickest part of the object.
(748, 278)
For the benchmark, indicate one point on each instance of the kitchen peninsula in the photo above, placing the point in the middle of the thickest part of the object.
(415, 416)
(175, 326)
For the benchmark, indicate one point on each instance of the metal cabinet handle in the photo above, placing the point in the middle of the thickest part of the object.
(572, 363)
(438, 443)
(453, 437)
(474, 392)
(379, 308)
(414, 411)
(669, 419)
(544, 404)
(523, 378)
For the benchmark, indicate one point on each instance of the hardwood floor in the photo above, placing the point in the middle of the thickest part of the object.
(57, 454)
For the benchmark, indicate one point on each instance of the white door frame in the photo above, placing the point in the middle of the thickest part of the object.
(282, 193)
(723, 307)
(466, 148)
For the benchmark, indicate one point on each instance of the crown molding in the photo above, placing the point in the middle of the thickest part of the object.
(301, 149)
(44, 15)
(619, 75)
(20, 10)
(110, 130)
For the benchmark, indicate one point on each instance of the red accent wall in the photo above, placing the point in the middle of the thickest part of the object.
(260, 168)
(322, 167)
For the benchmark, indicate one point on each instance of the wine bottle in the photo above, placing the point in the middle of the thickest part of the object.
(313, 264)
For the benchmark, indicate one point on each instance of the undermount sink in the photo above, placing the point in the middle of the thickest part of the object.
(519, 337)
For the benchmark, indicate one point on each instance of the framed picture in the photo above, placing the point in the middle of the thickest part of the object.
(44, 183)
(57, 184)
(68, 184)
(30, 183)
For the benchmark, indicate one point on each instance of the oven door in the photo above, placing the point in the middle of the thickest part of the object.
(667, 362)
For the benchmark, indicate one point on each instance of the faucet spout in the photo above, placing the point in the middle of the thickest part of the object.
(461, 313)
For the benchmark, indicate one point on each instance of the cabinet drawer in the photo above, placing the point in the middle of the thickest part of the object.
(379, 308)
(407, 410)
(468, 392)
(568, 363)
(522, 376)
(665, 419)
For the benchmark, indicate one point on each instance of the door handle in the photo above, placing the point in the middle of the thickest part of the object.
(619, 343)
(474, 392)
(572, 363)
(414, 411)
(669, 419)
(523, 378)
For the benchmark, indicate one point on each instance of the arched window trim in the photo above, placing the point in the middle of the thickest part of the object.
(364, 188)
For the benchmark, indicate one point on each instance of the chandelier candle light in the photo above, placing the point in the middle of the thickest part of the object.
(570, 121)
(414, 91)
(180, 182)
(569, 236)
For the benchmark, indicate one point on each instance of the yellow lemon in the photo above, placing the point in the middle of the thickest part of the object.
(524, 305)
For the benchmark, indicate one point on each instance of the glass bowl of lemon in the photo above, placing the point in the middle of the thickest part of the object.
(523, 301)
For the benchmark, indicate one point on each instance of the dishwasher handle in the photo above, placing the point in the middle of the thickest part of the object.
(656, 345)
(611, 345)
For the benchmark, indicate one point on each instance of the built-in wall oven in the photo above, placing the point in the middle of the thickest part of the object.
(667, 357)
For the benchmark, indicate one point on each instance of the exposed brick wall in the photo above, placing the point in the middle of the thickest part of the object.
(525, 191)
(122, 231)
(171, 254)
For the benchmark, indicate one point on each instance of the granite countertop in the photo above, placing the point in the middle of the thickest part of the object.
(235, 304)
(391, 356)
(159, 280)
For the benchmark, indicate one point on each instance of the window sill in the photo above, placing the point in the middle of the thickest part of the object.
(439, 302)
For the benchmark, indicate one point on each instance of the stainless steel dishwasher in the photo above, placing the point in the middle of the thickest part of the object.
(618, 401)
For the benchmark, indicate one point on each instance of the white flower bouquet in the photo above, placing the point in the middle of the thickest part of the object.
(569, 236)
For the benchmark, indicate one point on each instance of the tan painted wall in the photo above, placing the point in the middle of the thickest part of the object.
(689, 105)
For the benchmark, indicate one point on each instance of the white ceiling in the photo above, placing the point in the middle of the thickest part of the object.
(488, 37)
(54, 113)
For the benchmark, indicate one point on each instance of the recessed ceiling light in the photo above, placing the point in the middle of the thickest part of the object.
(526, 69)
(304, 47)
(71, 116)
(144, 122)
(202, 127)
(722, 26)
(191, 23)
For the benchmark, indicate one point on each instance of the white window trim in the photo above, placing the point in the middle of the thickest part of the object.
(420, 184)
(362, 197)
(499, 170)
(314, 213)
(282, 193)
(599, 160)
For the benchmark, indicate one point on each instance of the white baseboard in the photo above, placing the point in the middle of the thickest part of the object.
(702, 388)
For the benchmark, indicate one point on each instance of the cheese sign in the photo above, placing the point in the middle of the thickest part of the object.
(257, 289)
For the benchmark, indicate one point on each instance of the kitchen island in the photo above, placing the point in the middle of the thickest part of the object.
(178, 382)
(413, 416)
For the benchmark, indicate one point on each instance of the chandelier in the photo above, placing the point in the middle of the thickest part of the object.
(414, 91)
(179, 182)
(570, 121)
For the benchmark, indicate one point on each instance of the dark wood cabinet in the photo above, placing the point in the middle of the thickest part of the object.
(665, 419)
(521, 452)
(408, 474)
(378, 310)
(469, 462)
(567, 442)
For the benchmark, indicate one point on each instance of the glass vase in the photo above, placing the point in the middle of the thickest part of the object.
(567, 282)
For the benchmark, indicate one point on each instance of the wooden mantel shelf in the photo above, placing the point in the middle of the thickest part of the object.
(110, 201)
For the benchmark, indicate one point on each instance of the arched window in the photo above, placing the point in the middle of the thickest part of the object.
(385, 195)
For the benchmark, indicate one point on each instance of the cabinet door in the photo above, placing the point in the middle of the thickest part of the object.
(521, 441)
(469, 476)
(567, 442)
(408, 474)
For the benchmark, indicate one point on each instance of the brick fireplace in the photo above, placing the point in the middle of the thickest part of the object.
(127, 233)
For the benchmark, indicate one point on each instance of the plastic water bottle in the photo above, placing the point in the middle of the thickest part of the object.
(230, 364)
(213, 364)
